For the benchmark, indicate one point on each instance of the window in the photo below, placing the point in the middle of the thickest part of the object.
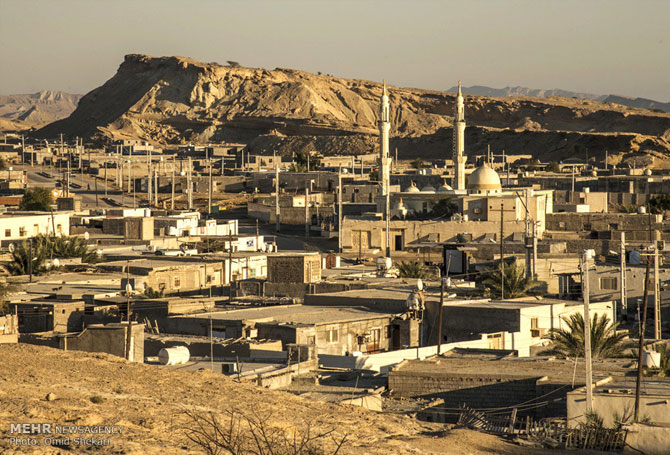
(8, 232)
(533, 323)
(22, 231)
(209, 278)
(161, 286)
(332, 335)
(608, 283)
(177, 283)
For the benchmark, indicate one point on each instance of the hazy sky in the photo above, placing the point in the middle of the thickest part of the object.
(595, 46)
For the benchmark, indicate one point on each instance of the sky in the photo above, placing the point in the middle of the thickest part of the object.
(591, 46)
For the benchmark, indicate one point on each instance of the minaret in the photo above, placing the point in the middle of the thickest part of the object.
(384, 128)
(459, 142)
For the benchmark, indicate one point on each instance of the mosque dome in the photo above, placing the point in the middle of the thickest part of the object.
(484, 179)
(444, 188)
(427, 189)
(412, 188)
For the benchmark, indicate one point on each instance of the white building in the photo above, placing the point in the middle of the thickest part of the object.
(27, 225)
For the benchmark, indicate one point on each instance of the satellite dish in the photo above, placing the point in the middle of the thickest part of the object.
(11, 247)
(129, 288)
(56, 262)
(86, 235)
(419, 284)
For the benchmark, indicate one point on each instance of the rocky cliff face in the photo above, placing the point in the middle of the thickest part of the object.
(176, 100)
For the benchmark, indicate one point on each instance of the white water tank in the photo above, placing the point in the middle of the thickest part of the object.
(642, 209)
(174, 356)
(651, 359)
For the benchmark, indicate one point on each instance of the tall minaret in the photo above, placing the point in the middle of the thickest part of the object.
(459, 143)
(384, 128)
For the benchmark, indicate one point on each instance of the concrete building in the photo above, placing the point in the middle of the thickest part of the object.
(489, 380)
(333, 330)
(21, 226)
(294, 268)
(49, 316)
(108, 338)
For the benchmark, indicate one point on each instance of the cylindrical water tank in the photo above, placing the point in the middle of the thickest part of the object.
(651, 359)
(147, 212)
(174, 356)
(642, 209)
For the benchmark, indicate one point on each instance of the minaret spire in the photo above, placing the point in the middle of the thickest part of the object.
(459, 142)
(384, 128)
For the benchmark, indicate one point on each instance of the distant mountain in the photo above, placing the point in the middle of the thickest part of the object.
(37, 109)
(482, 90)
(642, 103)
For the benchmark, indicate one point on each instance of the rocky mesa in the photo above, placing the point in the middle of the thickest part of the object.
(176, 100)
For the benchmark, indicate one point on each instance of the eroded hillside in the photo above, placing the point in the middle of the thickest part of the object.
(176, 100)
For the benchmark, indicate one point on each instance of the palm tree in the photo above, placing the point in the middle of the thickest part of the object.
(412, 270)
(512, 280)
(20, 263)
(67, 247)
(569, 342)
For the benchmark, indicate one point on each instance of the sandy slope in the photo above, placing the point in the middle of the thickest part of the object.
(148, 401)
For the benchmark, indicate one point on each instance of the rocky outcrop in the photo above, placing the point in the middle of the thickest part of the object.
(176, 100)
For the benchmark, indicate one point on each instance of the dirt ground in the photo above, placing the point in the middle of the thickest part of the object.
(149, 403)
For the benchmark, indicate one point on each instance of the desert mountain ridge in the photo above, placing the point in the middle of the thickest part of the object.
(24, 111)
(171, 100)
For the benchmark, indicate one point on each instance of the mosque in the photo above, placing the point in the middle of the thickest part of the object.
(474, 203)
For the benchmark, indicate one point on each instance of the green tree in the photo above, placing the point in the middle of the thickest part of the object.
(443, 209)
(512, 280)
(412, 270)
(569, 342)
(660, 203)
(5, 289)
(417, 163)
(300, 161)
(39, 199)
(552, 166)
(67, 247)
(20, 263)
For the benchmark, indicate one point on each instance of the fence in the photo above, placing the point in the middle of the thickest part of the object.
(547, 433)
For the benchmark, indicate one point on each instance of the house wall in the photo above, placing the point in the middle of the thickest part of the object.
(294, 269)
(110, 339)
(22, 227)
(654, 407)
(372, 232)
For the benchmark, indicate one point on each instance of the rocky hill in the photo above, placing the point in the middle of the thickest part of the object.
(35, 109)
(177, 100)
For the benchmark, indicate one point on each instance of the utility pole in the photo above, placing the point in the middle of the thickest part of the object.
(573, 179)
(502, 252)
(130, 165)
(130, 326)
(230, 267)
(587, 330)
(149, 178)
(30, 259)
(339, 209)
(306, 208)
(155, 187)
(209, 196)
(189, 184)
(96, 191)
(277, 212)
(105, 178)
(439, 326)
(642, 324)
(657, 294)
(172, 194)
(622, 277)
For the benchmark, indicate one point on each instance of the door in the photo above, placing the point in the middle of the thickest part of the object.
(398, 242)
(373, 342)
(496, 341)
(361, 240)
